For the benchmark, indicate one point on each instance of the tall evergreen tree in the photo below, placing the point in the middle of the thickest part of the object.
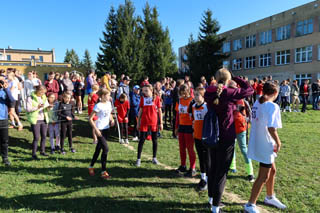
(204, 55)
(106, 60)
(159, 57)
(87, 62)
(72, 58)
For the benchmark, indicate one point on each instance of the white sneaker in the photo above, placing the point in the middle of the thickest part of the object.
(135, 139)
(250, 208)
(155, 161)
(210, 201)
(121, 141)
(215, 209)
(138, 163)
(274, 202)
(80, 112)
(127, 141)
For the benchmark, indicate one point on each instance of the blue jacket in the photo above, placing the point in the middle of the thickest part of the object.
(5, 99)
(134, 104)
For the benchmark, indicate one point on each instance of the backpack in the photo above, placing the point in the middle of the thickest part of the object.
(210, 130)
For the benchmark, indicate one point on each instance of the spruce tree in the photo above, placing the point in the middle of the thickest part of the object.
(159, 58)
(72, 58)
(204, 55)
(87, 62)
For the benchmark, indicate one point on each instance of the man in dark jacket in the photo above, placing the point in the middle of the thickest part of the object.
(315, 94)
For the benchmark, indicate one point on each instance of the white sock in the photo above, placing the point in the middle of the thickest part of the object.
(210, 200)
(154, 158)
(215, 208)
(139, 160)
(203, 176)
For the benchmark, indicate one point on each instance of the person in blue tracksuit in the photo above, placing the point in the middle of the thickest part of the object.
(134, 109)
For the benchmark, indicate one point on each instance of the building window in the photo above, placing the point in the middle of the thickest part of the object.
(301, 77)
(226, 47)
(226, 64)
(304, 54)
(304, 27)
(32, 57)
(250, 41)
(237, 64)
(319, 52)
(283, 32)
(283, 57)
(8, 57)
(265, 60)
(250, 62)
(237, 45)
(266, 37)
(41, 58)
(1, 56)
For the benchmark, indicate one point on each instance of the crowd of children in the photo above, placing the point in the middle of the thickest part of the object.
(52, 108)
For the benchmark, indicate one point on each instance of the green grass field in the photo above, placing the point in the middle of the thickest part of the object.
(61, 183)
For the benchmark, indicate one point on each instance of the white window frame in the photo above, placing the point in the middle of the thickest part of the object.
(319, 52)
(251, 40)
(284, 31)
(266, 37)
(237, 45)
(226, 47)
(265, 60)
(301, 77)
(303, 51)
(250, 62)
(306, 27)
(283, 55)
(237, 64)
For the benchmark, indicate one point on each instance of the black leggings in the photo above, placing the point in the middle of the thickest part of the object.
(143, 136)
(124, 130)
(135, 132)
(203, 156)
(4, 138)
(66, 129)
(220, 158)
(284, 102)
(174, 122)
(167, 113)
(101, 145)
(39, 129)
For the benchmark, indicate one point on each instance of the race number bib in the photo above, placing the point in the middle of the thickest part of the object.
(199, 114)
(183, 109)
(147, 101)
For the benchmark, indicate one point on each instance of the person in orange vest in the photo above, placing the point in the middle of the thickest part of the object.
(241, 126)
(185, 130)
(199, 110)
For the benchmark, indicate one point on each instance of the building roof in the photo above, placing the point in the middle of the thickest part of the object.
(24, 51)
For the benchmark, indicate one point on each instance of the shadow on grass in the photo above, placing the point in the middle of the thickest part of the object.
(50, 202)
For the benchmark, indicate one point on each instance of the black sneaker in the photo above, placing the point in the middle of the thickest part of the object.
(190, 173)
(6, 162)
(35, 157)
(57, 148)
(52, 151)
(181, 169)
(251, 178)
(202, 185)
(44, 154)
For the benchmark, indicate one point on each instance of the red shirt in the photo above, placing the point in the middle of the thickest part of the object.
(305, 89)
(123, 111)
(239, 119)
(149, 108)
(92, 100)
(144, 83)
(254, 86)
(260, 89)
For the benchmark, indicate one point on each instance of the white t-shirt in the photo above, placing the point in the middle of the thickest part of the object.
(103, 111)
(13, 86)
(261, 144)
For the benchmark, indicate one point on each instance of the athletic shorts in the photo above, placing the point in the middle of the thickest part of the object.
(269, 166)
(145, 128)
(13, 104)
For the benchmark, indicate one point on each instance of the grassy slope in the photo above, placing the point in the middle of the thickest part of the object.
(61, 183)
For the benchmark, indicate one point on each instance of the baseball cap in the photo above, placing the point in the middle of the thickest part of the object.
(136, 87)
(127, 78)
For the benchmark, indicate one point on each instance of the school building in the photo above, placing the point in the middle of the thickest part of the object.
(42, 61)
(285, 45)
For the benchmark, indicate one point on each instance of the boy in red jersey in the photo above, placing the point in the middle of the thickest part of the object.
(123, 108)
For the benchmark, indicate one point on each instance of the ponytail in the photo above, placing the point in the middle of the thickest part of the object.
(269, 88)
(219, 91)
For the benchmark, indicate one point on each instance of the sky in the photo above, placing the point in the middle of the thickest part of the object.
(78, 24)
